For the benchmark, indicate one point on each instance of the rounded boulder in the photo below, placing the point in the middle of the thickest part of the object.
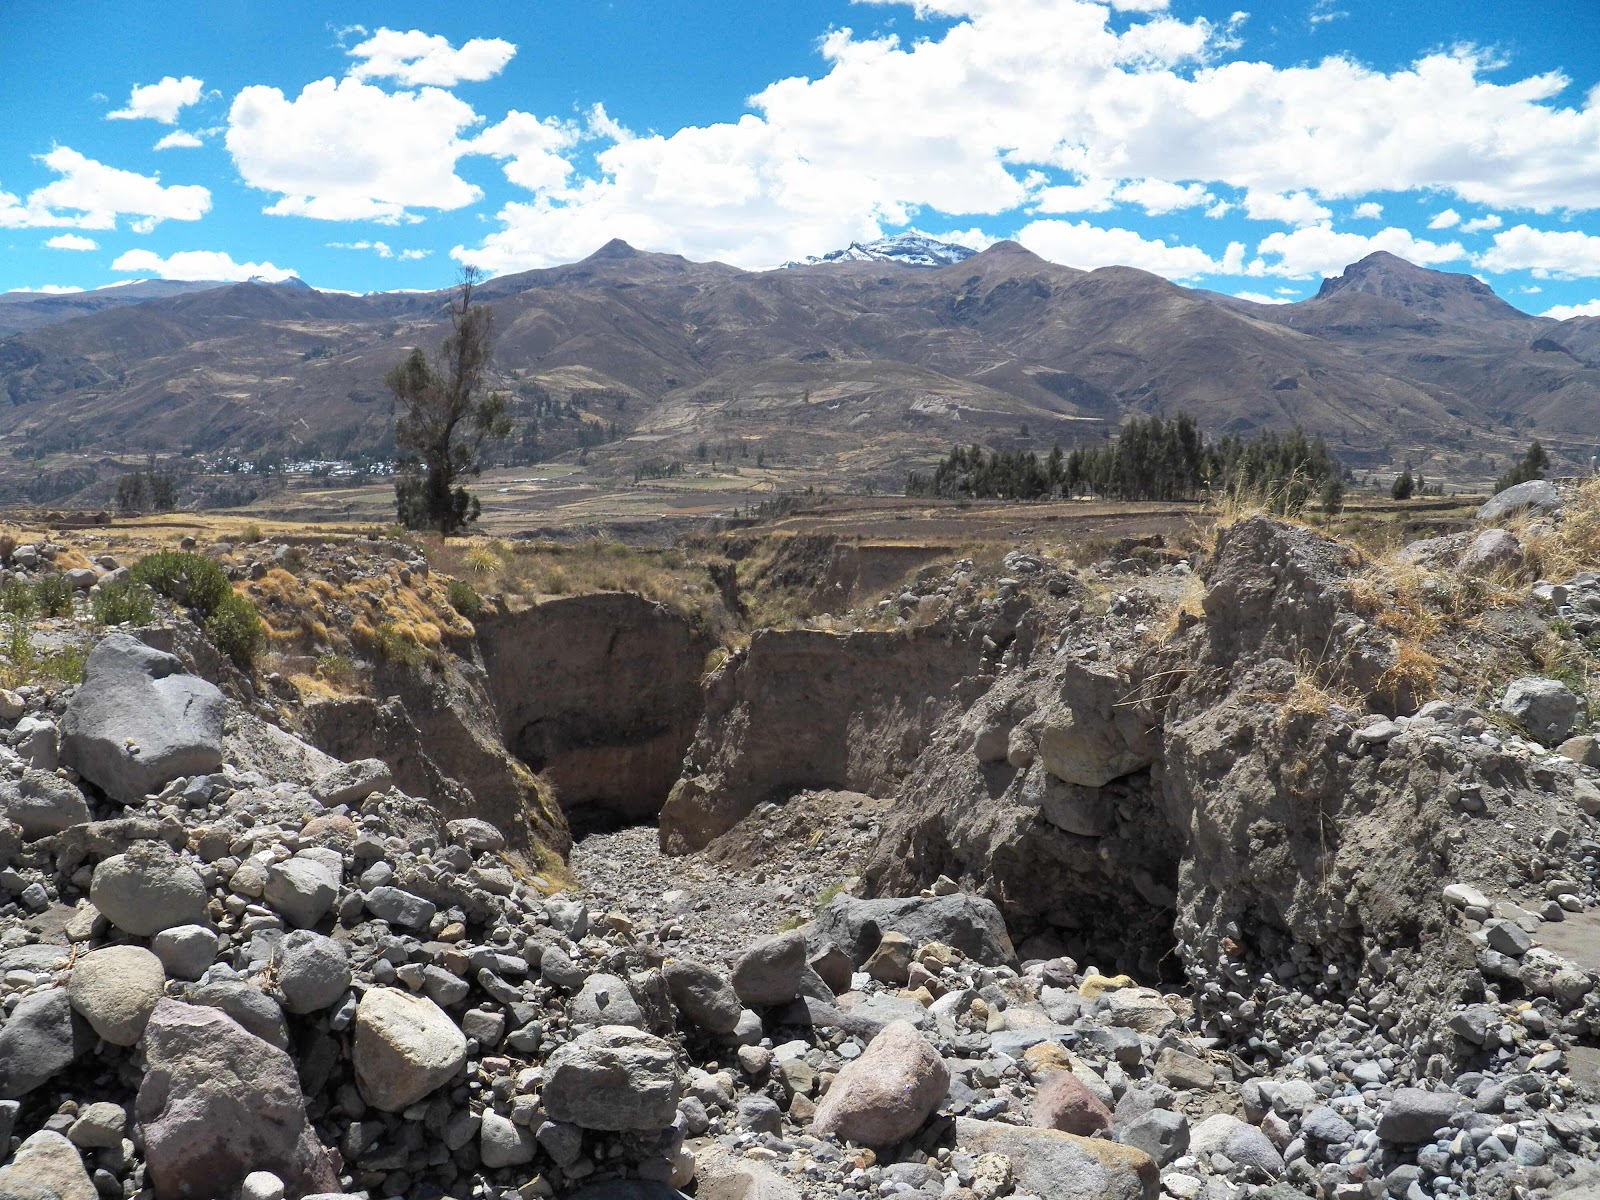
(116, 990)
(148, 889)
(884, 1096)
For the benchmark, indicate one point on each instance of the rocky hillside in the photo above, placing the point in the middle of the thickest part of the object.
(863, 366)
(1262, 869)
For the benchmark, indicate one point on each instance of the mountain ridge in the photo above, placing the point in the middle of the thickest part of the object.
(865, 366)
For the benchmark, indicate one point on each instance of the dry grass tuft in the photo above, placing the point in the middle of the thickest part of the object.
(482, 560)
(1414, 674)
(1560, 551)
(1318, 690)
(377, 617)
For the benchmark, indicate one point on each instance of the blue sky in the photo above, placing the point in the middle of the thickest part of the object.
(1250, 148)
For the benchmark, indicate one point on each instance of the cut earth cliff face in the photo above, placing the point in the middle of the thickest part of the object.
(600, 693)
(804, 709)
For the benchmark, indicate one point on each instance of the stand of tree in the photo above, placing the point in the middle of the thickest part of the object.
(1532, 466)
(1152, 459)
(146, 491)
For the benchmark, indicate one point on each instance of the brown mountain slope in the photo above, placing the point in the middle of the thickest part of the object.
(21, 311)
(871, 364)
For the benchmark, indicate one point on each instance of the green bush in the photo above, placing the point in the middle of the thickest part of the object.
(123, 601)
(188, 579)
(337, 669)
(388, 645)
(18, 598)
(236, 629)
(464, 600)
(22, 663)
(54, 595)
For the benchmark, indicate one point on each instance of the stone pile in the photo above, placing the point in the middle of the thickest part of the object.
(232, 967)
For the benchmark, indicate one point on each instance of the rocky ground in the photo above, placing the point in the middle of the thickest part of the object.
(1253, 932)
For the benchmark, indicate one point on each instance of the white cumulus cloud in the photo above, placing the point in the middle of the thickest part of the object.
(1368, 210)
(1482, 224)
(179, 139)
(160, 101)
(72, 241)
(1289, 208)
(1448, 219)
(198, 264)
(349, 151)
(1322, 250)
(1549, 254)
(91, 195)
(1262, 298)
(1565, 312)
(1092, 195)
(415, 59)
(1080, 244)
(1158, 197)
(1057, 108)
(49, 289)
(532, 149)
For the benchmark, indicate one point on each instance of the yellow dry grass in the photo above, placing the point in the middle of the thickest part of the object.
(532, 571)
(1571, 545)
(373, 615)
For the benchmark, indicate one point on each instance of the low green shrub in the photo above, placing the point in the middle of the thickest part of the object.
(22, 663)
(18, 599)
(236, 629)
(124, 601)
(388, 645)
(190, 580)
(464, 599)
(337, 669)
(54, 595)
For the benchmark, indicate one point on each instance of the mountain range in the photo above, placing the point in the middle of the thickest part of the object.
(852, 364)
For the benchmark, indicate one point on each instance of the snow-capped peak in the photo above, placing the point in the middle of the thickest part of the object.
(906, 249)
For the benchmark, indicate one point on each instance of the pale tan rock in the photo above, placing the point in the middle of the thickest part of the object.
(405, 1047)
(116, 990)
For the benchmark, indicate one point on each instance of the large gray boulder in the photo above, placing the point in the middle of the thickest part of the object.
(776, 970)
(217, 1103)
(254, 1010)
(42, 803)
(148, 889)
(1062, 1166)
(605, 1000)
(1547, 708)
(703, 995)
(138, 722)
(1493, 552)
(1537, 495)
(405, 1047)
(971, 924)
(47, 1167)
(1223, 1133)
(302, 889)
(1090, 735)
(38, 1041)
(614, 1078)
(884, 1096)
(313, 971)
(1415, 1113)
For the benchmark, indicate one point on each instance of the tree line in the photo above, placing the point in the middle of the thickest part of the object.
(1151, 459)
